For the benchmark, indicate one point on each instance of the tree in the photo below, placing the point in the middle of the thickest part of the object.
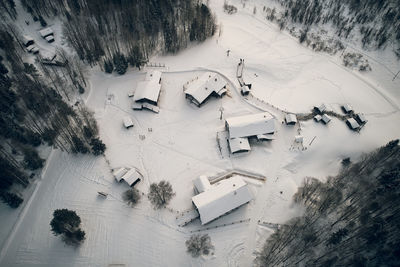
(199, 245)
(42, 21)
(67, 224)
(160, 194)
(32, 159)
(98, 147)
(120, 63)
(131, 196)
(11, 199)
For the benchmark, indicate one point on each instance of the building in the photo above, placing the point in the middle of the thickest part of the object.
(127, 122)
(27, 40)
(130, 176)
(360, 118)
(347, 108)
(46, 32)
(245, 90)
(148, 92)
(207, 85)
(221, 198)
(260, 126)
(317, 118)
(325, 119)
(290, 119)
(353, 124)
(320, 109)
(49, 38)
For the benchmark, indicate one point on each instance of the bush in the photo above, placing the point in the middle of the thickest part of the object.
(199, 245)
(98, 147)
(160, 194)
(131, 196)
(67, 224)
(11, 199)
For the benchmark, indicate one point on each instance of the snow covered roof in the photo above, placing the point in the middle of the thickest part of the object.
(118, 173)
(347, 108)
(150, 88)
(27, 39)
(290, 118)
(204, 86)
(131, 176)
(326, 119)
(320, 108)
(49, 38)
(46, 32)
(202, 184)
(127, 122)
(298, 139)
(250, 125)
(318, 117)
(353, 123)
(221, 198)
(239, 145)
(265, 137)
(361, 118)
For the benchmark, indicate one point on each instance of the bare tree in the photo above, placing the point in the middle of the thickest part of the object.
(160, 194)
(199, 245)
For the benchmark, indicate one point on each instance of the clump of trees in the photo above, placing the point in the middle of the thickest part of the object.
(136, 30)
(67, 224)
(160, 194)
(350, 220)
(11, 199)
(131, 196)
(199, 245)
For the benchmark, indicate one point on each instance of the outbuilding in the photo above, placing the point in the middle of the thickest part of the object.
(325, 119)
(239, 145)
(353, 124)
(320, 109)
(250, 125)
(361, 119)
(290, 119)
(132, 177)
(27, 40)
(207, 85)
(46, 32)
(127, 122)
(318, 118)
(201, 184)
(347, 108)
(221, 198)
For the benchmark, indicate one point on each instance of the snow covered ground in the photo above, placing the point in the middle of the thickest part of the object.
(179, 144)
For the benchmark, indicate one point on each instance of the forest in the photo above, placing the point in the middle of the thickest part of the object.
(349, 220)
(375, 23)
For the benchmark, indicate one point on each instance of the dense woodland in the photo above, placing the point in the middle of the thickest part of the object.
(116, 33)
(353, 219)
(375, 23)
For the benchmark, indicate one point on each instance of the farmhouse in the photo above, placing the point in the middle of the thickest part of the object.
(240, 129)
(290, 119)
(209, 84)
(148, 92)
(46, 32)
(216, 200)
(127, 122)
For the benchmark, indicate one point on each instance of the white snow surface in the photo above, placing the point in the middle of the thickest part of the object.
(179, 144)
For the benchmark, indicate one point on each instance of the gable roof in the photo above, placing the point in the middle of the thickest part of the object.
(239, 144)
(353, 123)
(250, 125)
(150, 88)
(221, 198)
(205, 85)
(290, 118)
(46, 32)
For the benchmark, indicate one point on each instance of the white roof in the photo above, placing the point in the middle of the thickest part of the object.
(27, 39)
(298, 139)
(202, 184)
(262, 137)
(250, 125)
(118, 173)
(221, 198)
(321, 108)
(131, 176)
(317, 117)
(127, 122)
(239, 144)
(150, 88)
(326, 118)
(49, 38)
(30, 48)
(290, 118)
(347, 108)
(208, 83)
(45, 32)
(361, 118)
(353, 123)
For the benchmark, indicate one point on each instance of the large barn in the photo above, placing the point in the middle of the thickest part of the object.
(216, 200)
(148, 92)
(260, 126)
(207, 85)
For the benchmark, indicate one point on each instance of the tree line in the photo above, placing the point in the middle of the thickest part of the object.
(351, 220)
(118, 33)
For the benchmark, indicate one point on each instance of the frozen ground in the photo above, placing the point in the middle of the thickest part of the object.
(179, 144)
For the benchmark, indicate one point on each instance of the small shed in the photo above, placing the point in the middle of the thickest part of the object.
(46, 32)
(49, 38)
(127, 122)
(320, 109)
(132, 177)
(361, 118)
(27, 40)
(265, 137)
(290, 119)
(353, 124)
(298, 139)
(317, 118)
(201, 184)
(118, 173)
(347, 108)
(326, 119)
(238, 145)
(244, 90)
